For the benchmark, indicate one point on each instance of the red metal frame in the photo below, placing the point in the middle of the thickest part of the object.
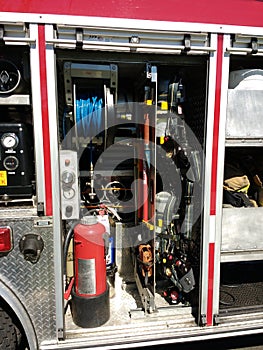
(210, 293)
(216, 125)
(232, 12)
(214, 168)
(45, 119)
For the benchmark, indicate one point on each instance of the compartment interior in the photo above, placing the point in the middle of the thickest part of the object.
(241, 249)
(149, 260)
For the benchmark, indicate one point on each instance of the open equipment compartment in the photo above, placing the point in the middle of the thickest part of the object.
(131, 185)
(241, 247)
(125, 174)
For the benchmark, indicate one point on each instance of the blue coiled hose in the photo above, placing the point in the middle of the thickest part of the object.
(89, 116)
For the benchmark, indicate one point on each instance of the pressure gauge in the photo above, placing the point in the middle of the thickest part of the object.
(69, 193)
(9, 140)
(11, 163)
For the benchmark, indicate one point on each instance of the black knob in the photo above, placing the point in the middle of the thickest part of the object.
(69, 211)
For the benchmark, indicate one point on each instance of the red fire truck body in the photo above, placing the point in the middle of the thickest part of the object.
(130, 172)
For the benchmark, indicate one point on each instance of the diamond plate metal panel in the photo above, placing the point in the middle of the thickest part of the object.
(33, 284)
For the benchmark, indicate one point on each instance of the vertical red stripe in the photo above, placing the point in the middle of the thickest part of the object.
(216, 124)
(45, 118)
(145, 196)
(211, 250)
(211, 257)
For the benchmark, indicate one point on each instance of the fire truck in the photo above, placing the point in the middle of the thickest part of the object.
(131, 172)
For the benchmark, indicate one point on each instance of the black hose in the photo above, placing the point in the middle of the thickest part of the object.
(66, 245)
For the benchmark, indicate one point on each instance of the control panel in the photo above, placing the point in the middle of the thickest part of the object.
(16, 160)
(70, 198)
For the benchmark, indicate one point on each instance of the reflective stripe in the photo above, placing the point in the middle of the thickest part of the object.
(213, 194)
(210, 292)
(216, 126)
(45, 119)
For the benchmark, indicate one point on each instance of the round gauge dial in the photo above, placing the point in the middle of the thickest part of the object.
(9, 140)
(10, 77)
(67, 178)
(11, 163)
(69, 193)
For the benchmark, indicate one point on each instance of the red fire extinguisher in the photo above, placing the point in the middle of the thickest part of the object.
(90, 295)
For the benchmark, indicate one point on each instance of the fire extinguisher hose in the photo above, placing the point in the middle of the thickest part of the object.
(66, 246)
(69, 289)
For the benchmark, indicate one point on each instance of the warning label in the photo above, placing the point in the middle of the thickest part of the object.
(3, 178)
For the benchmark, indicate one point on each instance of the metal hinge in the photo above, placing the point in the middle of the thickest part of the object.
(2, 35)
(40, 208)
(254, 46)
(79, 38)
(216, 320)
(203, 320)
(187, 43)
(60, 334)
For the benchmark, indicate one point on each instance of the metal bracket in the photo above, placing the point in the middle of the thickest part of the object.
(134, 40)
(60, 334)
(203, 320)
(95, 71)
(148, 71)
(68, 84)
(187, 43)
(2, 30)
(79, 38)
(216, 320)
(254, 46)
(40, 208)
(146, 295)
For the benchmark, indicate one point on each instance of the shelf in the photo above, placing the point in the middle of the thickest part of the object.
(242, 234)
(244, 142)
